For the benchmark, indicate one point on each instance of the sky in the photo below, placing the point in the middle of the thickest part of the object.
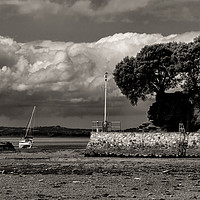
(54, 53)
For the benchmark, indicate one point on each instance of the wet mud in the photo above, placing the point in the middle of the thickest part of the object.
(65, 173)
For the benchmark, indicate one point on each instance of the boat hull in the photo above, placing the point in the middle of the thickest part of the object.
(25, 144)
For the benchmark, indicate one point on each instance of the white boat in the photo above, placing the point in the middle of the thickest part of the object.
(27, 140)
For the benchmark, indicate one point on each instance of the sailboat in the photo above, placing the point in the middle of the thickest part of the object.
(27, 140)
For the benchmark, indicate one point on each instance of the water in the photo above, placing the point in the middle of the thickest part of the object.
(73, 142)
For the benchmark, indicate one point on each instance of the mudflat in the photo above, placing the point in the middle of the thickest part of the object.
(63, 172)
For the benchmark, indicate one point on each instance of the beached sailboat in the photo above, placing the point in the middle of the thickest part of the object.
(27, 140)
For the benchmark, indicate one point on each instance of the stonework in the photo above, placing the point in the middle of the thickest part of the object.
(142, 144)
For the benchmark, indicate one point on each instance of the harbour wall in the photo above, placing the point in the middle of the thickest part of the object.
(143, 144)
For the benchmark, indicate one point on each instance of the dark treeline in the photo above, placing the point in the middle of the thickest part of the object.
(50, 131)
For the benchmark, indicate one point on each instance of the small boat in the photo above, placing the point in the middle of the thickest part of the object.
(27, 140)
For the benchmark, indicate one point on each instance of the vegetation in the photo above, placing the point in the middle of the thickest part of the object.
(156, 70)
(172, 109)
(151, 72)
(189, 59)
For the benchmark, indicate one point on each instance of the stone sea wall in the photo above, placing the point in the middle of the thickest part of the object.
(160, 144)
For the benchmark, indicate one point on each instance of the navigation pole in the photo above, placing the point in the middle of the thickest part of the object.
(105, 125)
(105, 102)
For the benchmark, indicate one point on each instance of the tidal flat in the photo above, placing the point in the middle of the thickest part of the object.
(62, 171)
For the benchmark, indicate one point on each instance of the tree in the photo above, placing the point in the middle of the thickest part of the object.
(130, 80)
(155, 70)
(189, 59)
(172, 109)
(152, 72)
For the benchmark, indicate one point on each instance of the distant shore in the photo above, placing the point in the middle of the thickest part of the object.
(45, 131)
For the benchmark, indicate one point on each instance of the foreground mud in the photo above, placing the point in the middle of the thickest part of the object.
(66, 174)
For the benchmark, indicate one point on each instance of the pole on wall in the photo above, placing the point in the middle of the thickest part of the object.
(105, 102)
(105, 125)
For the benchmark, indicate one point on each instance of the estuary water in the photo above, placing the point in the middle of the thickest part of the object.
(54, 142)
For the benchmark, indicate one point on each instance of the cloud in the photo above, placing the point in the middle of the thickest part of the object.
(106, 10)
(176, 10)
(96, 4)
(39, 8)
(54, 75)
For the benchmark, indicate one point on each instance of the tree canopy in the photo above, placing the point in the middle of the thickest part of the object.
(157, 69)
(190, 63)
(153, 71)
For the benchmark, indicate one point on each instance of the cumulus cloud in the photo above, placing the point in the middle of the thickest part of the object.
(68, 74)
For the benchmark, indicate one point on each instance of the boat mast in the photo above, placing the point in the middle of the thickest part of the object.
(105, 100)
(30, 120)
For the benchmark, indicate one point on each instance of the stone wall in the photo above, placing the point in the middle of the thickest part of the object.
(152, 144)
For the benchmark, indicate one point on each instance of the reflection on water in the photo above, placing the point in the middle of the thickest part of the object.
(50, 141)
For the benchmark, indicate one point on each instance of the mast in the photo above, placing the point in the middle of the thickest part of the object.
(30, 120)
(105, 98)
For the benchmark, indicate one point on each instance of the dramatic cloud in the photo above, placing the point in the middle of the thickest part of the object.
(107, 10)
(86, 7)
(90, 20)
(176, 10)
(65, 78)
(54, 75)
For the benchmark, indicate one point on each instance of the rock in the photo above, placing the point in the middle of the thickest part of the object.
(166, 171)
(121, 195)
(76, 181)
(4, 172)
(105, 195)
(6, 146)
(111, 196)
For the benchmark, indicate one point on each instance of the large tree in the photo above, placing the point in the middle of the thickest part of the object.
(152, 72)
(189, 60)
(172, 109)
(155, 70)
